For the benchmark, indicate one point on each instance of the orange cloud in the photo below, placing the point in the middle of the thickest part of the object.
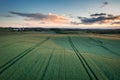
(55, 18)
(46, 18)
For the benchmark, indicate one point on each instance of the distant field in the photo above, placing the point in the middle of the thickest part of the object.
(50, 56)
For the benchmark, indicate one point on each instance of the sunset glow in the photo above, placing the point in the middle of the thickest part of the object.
(62, 13)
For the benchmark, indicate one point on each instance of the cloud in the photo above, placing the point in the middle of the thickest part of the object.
(92, 20)
(104, 4)
(9, 16)
(75, 23)
(116, 23)
(30, 15)
(98, 14)
(42, 17)
(6, 16)
(100, 18)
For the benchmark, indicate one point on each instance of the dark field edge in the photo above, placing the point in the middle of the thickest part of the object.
(82, 60)
(18, 57)
(61, 30)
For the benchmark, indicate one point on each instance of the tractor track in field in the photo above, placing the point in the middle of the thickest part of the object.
(102, 46)
(8, 64)
(109, 50)
(83, 61)
(96, 40)
(46, 67)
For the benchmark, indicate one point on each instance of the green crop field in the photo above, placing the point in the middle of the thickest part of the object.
(50, 56)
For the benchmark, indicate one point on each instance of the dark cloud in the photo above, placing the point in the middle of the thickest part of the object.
(104, 4)
(98, 14)
(6, 16)
(9, 16)
(42, 17)
(92, 20)
(100, 18)
(30, 15)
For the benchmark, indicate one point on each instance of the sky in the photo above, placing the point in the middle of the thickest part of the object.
(60, 13)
